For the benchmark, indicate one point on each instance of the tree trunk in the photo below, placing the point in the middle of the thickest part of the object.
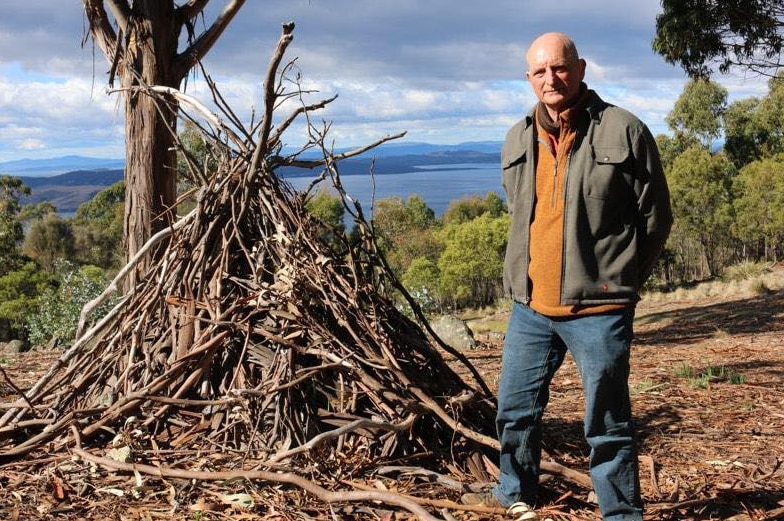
(150, 170)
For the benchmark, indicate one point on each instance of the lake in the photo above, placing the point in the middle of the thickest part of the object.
(437, 185)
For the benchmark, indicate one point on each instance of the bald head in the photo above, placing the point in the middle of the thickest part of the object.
(555, 71)
(552, 41)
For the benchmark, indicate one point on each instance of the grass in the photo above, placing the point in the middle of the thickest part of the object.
(746, 270)
(645, 386)
(744, 279)
(711, 374)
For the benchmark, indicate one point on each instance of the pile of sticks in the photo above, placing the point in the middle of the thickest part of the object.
(251, 336)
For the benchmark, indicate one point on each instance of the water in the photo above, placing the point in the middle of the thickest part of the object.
(437, 185)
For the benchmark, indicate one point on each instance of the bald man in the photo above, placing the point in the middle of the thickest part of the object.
(590, 215)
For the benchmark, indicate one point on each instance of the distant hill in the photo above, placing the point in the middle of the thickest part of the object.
(397, 164)
(67, 191)
(69, 181)
(57, 165)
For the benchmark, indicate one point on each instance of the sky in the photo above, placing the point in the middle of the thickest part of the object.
(443, 71)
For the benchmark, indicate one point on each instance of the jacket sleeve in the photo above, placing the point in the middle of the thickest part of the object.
(654, 213)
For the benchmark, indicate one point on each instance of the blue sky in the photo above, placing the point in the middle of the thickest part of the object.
(444, 71)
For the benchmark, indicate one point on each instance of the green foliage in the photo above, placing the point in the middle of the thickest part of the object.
(759, 202)
(471, 265)
(470, 207)
(755, 127)
(405, 231)
(422, 281)
(59, 307)
(195, 153)
(711, 374)
(745, 271)
(11, 232)
(700, 191)
(98, 228)
(698, 112)
(769, 119)
(743, 137)
(49, 239)
(703, 35)
(328, 209)
(671, 147)
(101, 209)
(33, 212)
(12, 189)
(19, 290)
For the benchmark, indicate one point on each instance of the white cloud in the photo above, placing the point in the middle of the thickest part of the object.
(444, 71)
(31, 144)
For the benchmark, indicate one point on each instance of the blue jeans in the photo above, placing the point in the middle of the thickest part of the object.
(534, 349)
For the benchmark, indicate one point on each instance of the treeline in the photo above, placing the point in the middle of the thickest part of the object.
(49, 266)
(728, 203)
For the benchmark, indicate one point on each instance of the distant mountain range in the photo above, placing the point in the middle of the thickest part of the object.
(69, 181)
(57, 165)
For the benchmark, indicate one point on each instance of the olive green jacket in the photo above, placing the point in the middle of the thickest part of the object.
(617, 212)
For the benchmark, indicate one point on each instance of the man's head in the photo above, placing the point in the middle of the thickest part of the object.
(555, 71)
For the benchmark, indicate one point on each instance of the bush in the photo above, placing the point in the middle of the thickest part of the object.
(746, 270)
(19, 290)
(59, 308)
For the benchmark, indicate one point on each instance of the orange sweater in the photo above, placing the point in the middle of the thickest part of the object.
(546, 244)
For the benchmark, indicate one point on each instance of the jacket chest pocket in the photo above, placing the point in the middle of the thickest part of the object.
(512, 177)
(610, 177)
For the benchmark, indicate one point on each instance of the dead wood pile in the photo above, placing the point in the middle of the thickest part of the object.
(253, 338)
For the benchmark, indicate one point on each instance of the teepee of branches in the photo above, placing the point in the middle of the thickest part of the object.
(252, 338)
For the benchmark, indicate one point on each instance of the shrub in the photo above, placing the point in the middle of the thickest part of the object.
(59, 308)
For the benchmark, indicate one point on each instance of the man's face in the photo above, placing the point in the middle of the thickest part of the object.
(554, 77)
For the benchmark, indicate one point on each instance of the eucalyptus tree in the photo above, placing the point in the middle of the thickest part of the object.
(141, 41)
(471, 265)
(12, 189)
(699, 111)
(405, 230)
(703, 36)
(700, 186)
(759, 207)
(49, 240)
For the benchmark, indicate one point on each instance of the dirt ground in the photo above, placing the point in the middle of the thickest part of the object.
(708, 395)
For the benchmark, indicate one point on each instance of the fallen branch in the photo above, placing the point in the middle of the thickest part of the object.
(288, 478)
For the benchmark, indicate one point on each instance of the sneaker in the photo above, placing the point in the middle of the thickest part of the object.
(522, 512)
(483, 499)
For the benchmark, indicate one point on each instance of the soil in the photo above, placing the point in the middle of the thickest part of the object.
(708, 396)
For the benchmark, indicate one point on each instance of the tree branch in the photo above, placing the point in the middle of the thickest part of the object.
(121, 12)
(289, 478)
(190, 9)
(101, 28)
(204, 42)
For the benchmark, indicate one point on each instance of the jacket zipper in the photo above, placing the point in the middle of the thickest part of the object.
(563, 231)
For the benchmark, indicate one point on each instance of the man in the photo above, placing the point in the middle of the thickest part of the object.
(590, 214)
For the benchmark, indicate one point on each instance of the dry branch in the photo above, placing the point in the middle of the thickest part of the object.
(252, 337)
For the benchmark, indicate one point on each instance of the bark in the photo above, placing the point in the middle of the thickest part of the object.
(144, 53)
(150, 171)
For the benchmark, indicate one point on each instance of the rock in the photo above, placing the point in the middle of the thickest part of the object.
(53, 343)
(14, 346)
(454, 332)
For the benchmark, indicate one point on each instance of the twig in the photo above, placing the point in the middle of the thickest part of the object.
(289, 478)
